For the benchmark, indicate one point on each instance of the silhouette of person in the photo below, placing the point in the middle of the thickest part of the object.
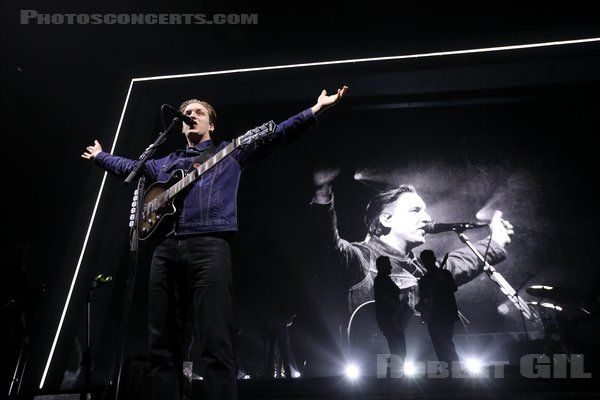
(436, 290)
(390, 310)
(279, 358)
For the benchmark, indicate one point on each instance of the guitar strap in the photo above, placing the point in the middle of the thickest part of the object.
(206, 154)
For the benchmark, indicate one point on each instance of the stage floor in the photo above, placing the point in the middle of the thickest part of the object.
(512, 385)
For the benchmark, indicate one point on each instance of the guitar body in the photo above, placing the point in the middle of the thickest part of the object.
(153, 215)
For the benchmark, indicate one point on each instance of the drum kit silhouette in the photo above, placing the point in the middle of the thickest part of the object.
(563, 315)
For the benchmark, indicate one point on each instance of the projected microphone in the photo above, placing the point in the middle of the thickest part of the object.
(182, 117)
(439, 227)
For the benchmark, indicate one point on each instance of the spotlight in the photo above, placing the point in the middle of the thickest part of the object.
(474, 366)
(410, 369)
(352, 372)
(296, 374)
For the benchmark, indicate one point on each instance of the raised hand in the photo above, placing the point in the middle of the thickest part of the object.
(502, 229)
(325, 101)
(92, 151)
(322, 179)
(325, 176)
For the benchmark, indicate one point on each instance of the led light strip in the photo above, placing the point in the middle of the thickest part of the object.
(85, 241)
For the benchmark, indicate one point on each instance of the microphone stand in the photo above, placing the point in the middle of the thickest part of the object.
(86, 362)
(495, 276)
(150, 151)
(134, 245)
(87, 357)
(529, 276)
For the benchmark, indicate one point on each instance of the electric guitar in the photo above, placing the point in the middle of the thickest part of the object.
(158, 201)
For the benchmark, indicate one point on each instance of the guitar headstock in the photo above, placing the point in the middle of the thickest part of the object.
(259, 134)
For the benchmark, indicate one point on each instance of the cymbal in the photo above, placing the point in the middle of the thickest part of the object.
(545, 304)
(558, 294)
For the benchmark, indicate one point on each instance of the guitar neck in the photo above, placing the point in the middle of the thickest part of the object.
(201, 170)
(158, 198)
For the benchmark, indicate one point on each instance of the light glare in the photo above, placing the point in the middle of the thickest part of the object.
(352, 372)
(474, 366)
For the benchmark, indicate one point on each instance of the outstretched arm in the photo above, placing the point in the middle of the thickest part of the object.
(119, 166)
(289, 130)
(464, 264)
(347, 256)
(324, 101)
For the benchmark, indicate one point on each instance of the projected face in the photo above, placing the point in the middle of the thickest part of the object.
(201, 131)
(405, 218)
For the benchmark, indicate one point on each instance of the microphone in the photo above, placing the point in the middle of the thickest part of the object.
(181, 116)
(439, 227)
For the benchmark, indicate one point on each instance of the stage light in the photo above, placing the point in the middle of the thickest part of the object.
(410, 369)
(352, 372)
(542, 287)
(546, 305)
(294, 372)
(474, 366)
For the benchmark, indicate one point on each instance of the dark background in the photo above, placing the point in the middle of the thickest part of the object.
(510, 130)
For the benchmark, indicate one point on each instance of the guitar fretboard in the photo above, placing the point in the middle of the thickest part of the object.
(201, 170)
(256, 134)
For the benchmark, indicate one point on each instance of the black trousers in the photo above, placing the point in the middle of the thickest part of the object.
(194, 269)
(441, 332)
(396, 340)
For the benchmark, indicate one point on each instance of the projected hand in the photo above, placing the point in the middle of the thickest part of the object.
(325, 176)
(502, 229)
(322, 179)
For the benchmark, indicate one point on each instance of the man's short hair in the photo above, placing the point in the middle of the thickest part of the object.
(212, 114)
(379, 203)
(382, 262)
(427, 256)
